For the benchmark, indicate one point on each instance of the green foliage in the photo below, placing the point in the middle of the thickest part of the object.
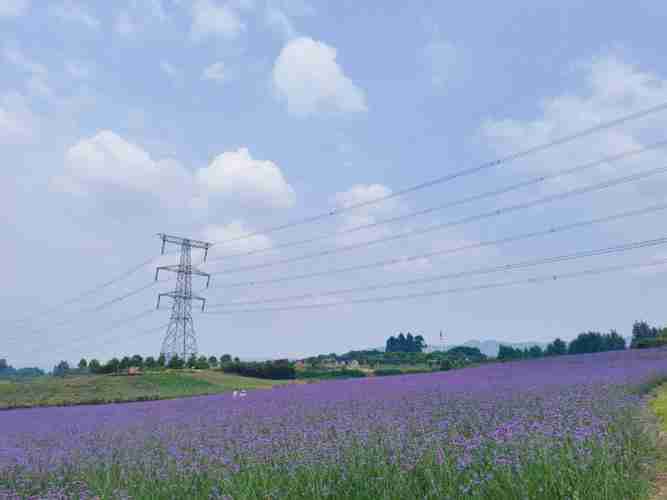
(95, 389)
(94, 366)
(556, 348)
(202, 363)
(137, 361)
(405, 343)
(645, 336)
(330, 374)
(384, 372)
(83, 364)
(175, 363)
(281, 369)
(61, 369)
(469, 354)
(213, 361)
(150, 363)
(508, 353)
(596, 342)
(9, 372)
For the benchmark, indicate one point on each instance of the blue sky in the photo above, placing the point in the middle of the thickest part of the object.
(214, 118)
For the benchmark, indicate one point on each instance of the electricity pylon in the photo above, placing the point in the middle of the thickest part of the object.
(180, 339)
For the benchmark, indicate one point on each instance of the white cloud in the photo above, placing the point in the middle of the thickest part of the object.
(231, 238)
(363, 193)
(107, 161)
(215, 72)
(13, 8)
(17, 122)
(236, 175)
(441, 59)
(612, 88)
(71, 11)
(210, 19)
(365, 215)
(308, 76)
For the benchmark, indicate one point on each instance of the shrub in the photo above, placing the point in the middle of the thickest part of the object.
(384, 372)
(330, 374)
(274, 370)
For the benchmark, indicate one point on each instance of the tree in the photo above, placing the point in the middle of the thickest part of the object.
(94, 366)
(202, 363)
(150, 363)
(125, 363)
(137, 361)
(175, 363)
(83, 364)
(192, 361)
(556, 348)
(3, 365)
(644, 335)
(535, 352)
(225, 358)
(236, 359)
(162, 360)
(506, 353)
(61, 369)
(112, 366)
(614, 342)
(213, 361)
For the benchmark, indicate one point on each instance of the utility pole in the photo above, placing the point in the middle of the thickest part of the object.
(180, 339)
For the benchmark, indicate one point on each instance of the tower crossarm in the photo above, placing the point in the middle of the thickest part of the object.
(177, 268)
(181, 296)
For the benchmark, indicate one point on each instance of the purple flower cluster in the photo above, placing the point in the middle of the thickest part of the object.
(575, 398)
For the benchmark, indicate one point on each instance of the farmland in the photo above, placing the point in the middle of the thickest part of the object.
(72, 390)
(563, 427)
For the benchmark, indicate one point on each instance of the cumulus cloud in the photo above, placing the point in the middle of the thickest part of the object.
(107, 161)
(235, 175)
(307, 75)
(71, 11)
(13, 8)
(215, 72)
(612, 88)
(368, 214)
(210, 18)
(231, 238)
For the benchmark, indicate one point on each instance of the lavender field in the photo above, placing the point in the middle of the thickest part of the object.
(562, 427)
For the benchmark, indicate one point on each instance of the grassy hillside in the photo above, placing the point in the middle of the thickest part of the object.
(55, 391)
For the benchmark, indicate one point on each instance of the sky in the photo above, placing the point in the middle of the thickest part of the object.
(213, 119)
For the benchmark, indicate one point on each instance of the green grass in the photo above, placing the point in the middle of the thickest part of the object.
(83, 389)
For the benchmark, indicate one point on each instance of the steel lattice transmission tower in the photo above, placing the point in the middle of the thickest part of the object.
(180, 339)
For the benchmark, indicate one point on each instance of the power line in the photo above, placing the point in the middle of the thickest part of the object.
(488, 194)
(460, 173)
(87, 293)
(435, 293)
(77, 315)
(466, 220)
(456, 275)
(452, 250)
